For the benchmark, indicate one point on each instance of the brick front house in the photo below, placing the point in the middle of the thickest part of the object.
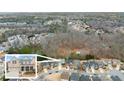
(21, 66)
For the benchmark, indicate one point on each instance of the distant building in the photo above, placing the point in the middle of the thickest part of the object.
(2, 62)
(2, 49)
(65, 75)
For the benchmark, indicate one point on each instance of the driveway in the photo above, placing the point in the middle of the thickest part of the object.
(12, 74)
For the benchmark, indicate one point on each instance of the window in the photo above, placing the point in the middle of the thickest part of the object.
(13, 62)
(22, 68)
(29, 62)
(27, 68)
(31, 68)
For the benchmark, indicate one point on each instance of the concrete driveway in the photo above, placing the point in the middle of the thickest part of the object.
(12, 74)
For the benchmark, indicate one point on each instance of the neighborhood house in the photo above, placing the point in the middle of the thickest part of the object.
(21, 66)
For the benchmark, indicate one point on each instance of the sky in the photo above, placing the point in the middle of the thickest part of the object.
(8, 57)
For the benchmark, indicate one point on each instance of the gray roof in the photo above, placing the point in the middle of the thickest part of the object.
(74, 76)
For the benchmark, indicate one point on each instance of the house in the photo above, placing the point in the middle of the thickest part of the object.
(2, 61)
(1, 68)
(74, 77)
(65, 75)
(20, 65)
(2, 49)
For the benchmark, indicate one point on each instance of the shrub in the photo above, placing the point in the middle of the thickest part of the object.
(87, 57)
